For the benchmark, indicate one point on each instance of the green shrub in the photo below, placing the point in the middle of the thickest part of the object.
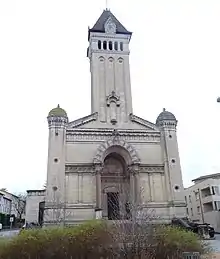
(75, 242)
(96, 239)
(173, 241)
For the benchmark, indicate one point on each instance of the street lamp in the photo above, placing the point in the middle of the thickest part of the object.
(218, 100)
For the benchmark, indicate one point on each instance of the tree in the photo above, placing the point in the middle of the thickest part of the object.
(19, 204)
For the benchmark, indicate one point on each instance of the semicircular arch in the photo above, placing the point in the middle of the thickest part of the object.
(126, 150)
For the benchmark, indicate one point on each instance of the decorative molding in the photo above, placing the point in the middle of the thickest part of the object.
(168, 125)
(74, 135)
(122, 52)
(110, 26)
(151, 169)
(98, 167)
(82, 121)
(113, 98)
(79, 169)
(99, 35)
(57, 122)
(115, 142)
(143, 122)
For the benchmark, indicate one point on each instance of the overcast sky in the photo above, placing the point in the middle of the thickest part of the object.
(175, 63)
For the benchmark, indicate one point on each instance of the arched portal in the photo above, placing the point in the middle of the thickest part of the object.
(117, 179)
(115, 186)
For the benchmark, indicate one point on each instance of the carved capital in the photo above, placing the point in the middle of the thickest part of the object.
(98, 168)
(133, 169)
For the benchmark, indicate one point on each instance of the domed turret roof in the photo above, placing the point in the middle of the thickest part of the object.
(165, 116)
(58, 112)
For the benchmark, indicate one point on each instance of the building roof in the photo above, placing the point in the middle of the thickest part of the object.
(58, 112)
(165, 116)
(28, 191)
(100, 24)
(204, 177)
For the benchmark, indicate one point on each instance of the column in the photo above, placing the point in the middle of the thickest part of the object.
(98, 170)
(137, 188)
(132, 187)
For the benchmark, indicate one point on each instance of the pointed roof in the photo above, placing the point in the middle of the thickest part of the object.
(100, 24)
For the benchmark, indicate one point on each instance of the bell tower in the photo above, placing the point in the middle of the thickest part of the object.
(108, 52)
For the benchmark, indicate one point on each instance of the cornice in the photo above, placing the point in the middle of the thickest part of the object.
(82, 121)
(110, 52)
(90, 168)
(79, 168)
(151, 169)
(143, 122)
(146, 136)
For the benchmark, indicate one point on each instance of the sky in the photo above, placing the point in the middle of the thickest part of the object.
(174, 62)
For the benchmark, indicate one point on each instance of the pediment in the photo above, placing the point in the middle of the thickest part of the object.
(90, 121)
(82, 121)
(144, 123)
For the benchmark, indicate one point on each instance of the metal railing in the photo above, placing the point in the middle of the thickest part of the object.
(194, 255)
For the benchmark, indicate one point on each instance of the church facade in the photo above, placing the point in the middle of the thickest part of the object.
(107, 163)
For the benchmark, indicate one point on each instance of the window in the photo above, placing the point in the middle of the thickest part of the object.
(110, 45)
(116, 45)
(187, 211)
(121, 46)
(197, 195)
(99, 44)
(191, 211)
(215, 190)
(198, 209)
(104, 45)
(190, 200)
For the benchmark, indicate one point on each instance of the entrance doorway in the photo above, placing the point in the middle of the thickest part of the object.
(113, 205)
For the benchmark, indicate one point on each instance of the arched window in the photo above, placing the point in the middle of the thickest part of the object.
(99, 44)
(110, 45)
(116, 45)
(121, 46)
(104, 45)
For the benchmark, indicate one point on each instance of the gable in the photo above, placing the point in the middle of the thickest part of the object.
(135, 123)
(144, 123)
(82, 121)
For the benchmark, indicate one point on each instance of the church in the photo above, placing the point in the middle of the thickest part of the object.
(111, 161)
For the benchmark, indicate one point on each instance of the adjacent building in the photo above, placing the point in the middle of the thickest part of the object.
(5, 204)
(110, 160)
(35, 202)
(12, 204)
(203, 200)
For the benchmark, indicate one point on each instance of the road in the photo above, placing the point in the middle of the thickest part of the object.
(9, 233)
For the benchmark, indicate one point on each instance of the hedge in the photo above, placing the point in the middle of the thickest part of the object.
(96, 239)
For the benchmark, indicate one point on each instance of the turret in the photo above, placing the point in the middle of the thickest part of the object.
(167, 124)
(55, 190)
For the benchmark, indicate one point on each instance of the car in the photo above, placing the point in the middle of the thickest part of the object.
(203, 230)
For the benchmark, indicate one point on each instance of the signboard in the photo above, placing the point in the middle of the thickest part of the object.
(11, 219)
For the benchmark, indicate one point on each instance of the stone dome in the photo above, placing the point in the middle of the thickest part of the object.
(165, 116)
(58, 112)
